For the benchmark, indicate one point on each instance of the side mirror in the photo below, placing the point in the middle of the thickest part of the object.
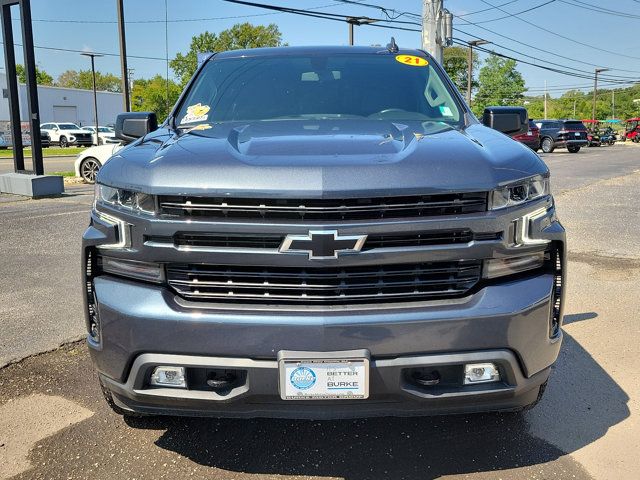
(133, 125)
(508, 120)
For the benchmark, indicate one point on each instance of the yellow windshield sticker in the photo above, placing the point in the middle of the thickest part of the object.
(196, 113)
(202, 126)
(412, 60)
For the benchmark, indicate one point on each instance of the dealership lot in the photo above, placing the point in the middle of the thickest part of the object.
(586, 426)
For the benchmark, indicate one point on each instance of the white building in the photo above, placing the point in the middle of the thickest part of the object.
(59, 104)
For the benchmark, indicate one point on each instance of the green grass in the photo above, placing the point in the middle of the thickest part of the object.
(63, 174)
(47, 152)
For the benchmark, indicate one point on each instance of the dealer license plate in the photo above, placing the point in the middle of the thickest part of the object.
(324, 379)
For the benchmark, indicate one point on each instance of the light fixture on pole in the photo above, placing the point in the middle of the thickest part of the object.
(357, 21)
(95, 93)
(595, 91)
(472, 43)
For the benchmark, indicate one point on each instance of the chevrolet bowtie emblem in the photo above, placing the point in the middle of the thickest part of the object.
(322, 244)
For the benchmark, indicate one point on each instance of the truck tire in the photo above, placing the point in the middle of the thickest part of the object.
(547, 145)
(520, 410)
(106, 393)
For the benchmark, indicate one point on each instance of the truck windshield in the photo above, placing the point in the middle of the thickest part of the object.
(288, 87)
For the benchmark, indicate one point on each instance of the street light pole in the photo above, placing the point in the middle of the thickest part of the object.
(357, 21)
(95, 93)
(595, 91)
(123, 56)
(471, 43)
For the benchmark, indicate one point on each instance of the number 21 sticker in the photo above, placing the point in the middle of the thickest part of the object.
(412, 60)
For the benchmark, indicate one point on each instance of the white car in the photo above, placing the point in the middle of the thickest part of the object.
(105, 135)
(65, 134)
(92, 159)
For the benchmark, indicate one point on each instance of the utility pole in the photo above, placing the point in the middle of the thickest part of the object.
(432, 16)
(613, 104)
(130, 73)
(471, 43)
(595, 91)
(95, 94)
(545, 99)
(123, 56)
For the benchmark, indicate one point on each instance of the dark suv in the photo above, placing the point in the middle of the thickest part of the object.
(569, 134)
(322, 233)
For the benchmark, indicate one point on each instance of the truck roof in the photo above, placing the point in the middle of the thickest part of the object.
(317, 50)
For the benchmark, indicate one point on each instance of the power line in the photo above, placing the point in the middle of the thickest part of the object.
(562, 36)
(486, 9)
(521, 12)
(599, 9)
(555, 54)
(179, 20)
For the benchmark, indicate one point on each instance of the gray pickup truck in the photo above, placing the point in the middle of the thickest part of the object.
(323, 233)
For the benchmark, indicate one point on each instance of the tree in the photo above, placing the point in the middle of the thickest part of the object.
(150, 95)
(84, 79)
(500, 84)
(42, 77)
(456, 64)
(241, 35)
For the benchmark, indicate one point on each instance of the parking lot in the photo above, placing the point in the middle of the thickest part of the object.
(55, 424)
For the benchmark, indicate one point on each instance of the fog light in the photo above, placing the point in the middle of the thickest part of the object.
(169, 377)
(480, 373)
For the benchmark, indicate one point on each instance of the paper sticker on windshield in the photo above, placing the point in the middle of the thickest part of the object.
(196, 113)
(202, 126)
(445, 111)
(412, 60)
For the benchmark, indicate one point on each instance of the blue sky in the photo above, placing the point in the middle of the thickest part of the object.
(190, 17)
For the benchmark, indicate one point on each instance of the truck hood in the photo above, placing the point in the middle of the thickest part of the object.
(327, 158)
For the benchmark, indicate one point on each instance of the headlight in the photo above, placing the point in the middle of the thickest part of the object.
(126, 199)
(520, 192)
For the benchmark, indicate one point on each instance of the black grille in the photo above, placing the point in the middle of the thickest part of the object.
(273, 241)
(324, 209)
(333, 285)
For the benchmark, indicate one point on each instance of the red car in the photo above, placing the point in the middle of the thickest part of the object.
(532, 138)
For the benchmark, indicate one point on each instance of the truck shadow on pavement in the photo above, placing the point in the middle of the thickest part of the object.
(580, 405)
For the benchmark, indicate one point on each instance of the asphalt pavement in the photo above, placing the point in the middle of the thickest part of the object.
(54, 423)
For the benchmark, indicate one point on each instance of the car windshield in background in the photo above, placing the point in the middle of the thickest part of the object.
(378, 87)
(68, 126)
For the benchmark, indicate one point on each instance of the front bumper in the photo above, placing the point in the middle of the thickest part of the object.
(144, 325)
(391, 393)
(506, 322)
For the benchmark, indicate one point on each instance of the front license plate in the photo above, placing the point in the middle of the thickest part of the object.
(577, 134)
(324, 379)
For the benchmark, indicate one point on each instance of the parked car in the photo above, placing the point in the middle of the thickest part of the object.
(338, 237)
(531, 138)
(65, 134)
(45, 139)
(105, 135)
(3, 142)
(91, 160)
(631, 130)
(569, 134)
